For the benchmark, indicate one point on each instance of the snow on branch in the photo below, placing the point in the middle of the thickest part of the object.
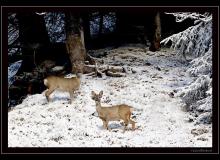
(181, 16)
(12, 70)
(198, 99)
(13, 34)
(40, 13)
(195, 40)
(201, 65)
(197, 90)
(55, 26)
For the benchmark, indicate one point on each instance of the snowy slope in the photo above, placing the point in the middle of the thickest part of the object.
(161, 120)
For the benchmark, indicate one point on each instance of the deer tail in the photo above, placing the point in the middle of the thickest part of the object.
(45, 82)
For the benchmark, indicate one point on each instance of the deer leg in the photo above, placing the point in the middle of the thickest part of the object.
(126, 124)
(133, 124)
(107, 126)
(48, 92)
(130, 121)
(126, 121)
(71, 96)
(104, 124)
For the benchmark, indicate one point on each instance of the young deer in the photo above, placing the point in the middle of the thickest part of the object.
(64, 84)
(113, 113)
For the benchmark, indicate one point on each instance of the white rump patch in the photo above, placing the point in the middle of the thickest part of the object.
(45, 82)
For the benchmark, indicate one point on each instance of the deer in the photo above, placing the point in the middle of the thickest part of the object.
(63, 84)
(113, 113)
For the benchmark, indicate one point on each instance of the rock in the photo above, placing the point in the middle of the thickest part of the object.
(158, 68)
(148, 64)
(190, 119)
(202, 139)
(57, 68)
(171, 94)
(199, 131)
(133, 71)
(95, 114)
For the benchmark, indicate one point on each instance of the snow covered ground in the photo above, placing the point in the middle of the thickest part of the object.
(151, 85)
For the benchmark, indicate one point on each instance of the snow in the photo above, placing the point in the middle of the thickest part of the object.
(161, 119)
(202, 65)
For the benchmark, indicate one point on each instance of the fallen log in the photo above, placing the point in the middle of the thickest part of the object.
(112, 71)
(114, 74)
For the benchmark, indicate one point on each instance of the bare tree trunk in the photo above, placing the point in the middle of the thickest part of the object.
(75, 42)
(82, 33)
(155, 45)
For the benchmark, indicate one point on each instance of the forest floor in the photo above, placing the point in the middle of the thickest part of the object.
(151, 86)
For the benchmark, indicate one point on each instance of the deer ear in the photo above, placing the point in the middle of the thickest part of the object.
(92, 93)
(100, 94)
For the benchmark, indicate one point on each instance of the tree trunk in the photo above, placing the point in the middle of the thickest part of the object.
(155, 44)
(75, 42)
